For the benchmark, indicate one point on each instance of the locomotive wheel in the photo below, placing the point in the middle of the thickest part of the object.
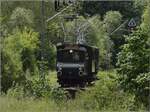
(72, 93)
(72, 83)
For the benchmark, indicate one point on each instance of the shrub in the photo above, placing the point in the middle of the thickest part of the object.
(18, 56)
(21, 17)
(16, 91)
(133, 63)
(38, 88)
(107, 96)
(59, 95)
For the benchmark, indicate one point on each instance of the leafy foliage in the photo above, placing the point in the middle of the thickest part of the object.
(105, 42)
(37, 88)
(16, 92)
(55, 32)
(22, 52)
(146, 23)
(107, 95)
(68, 31)
(104, 96)
(21, 17)
(112, 20)
(18, 55)
(126, 8)
(133, 62)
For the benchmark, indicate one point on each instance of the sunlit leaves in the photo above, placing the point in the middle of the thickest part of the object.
(15, 46)
(21, 17)
(112, 20)
(133, 62)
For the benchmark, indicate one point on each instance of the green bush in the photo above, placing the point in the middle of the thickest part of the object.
(18, 55)
(37, 88)
(106, 95)
(17, 92)
(133, 61)
(59, 94)
(21, 17)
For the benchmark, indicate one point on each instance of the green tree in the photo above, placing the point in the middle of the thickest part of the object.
(133, 62)
(112, 20)
(18, 56)
(146, 23)
(55, 32)
(105, 40)
(126, 8)
(21, 17)
(70, 30)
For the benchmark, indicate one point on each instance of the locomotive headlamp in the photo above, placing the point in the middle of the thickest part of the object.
(71, 51)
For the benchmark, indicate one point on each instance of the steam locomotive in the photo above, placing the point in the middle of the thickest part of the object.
(76, 65)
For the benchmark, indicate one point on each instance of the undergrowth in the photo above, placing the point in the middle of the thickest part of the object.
(105, 95)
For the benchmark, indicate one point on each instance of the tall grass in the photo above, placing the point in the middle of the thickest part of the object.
(105, 95)
(8, 104)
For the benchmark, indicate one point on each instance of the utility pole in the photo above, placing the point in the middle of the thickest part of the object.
(0, 58)
(42, 39)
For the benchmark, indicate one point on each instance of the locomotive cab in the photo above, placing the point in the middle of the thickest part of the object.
(76, 64)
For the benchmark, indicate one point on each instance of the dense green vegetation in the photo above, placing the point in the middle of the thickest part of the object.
(28, 83)
(133, 61)
(106, 95)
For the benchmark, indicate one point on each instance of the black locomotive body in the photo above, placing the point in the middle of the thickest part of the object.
(77, 64)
